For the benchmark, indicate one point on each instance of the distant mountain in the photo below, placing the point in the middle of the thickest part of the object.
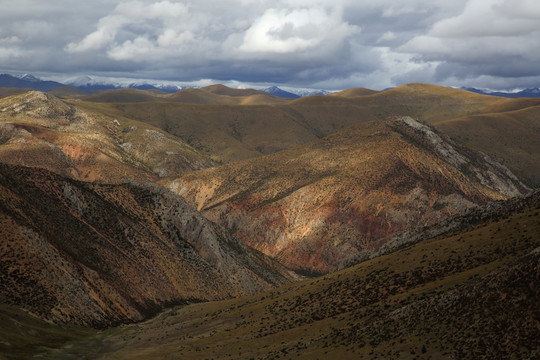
(166, 88)
(89, 83)
(527, 93)
(293, 93)
(274, 90)
(27, 82)
(308, 92)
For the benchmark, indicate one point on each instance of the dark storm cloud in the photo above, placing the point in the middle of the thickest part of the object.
(316, 43)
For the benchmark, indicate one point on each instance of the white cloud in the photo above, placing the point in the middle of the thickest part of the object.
(160, 22)
(8, 40)
(286, 31)
(387, 36)
(489, 38)
(490, 18)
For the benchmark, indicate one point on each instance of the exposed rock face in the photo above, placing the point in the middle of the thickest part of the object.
(40, 130)
(317, 207)
(103, 254)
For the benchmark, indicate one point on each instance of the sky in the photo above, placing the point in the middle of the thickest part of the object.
(319, 44)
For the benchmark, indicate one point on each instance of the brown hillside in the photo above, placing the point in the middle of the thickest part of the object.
(222, 95)
(512, 137)
(354, 92)
(319, 206)
(4, 91)
(125, 95)
(68, 92)
(229, 132)
(471, 294)
(224, 90)
(40, 130)
(98, 255)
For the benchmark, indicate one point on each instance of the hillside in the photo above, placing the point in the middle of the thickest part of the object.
(354, 92)
(468, 294)
(228, 126)
(98, 255)
(512, 137)
(40, 130)
(322, 205)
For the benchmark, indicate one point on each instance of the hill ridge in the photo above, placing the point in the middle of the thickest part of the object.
(318, 205)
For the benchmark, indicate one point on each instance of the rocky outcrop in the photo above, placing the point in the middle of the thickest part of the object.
(103, 254)
(316, 207)
(40, 130)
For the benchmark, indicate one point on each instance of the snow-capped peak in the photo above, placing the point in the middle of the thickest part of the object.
(29, 77)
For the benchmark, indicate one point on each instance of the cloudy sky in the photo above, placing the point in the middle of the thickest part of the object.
(330, 44)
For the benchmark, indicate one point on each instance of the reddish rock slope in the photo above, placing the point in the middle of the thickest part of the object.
(320, 206)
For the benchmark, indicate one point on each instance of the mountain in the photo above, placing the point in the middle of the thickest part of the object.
(526, 93)
(317, 207)
(227, 130)
(27, 82)
(274, 90)
(309, 92)
(222, 95)
(40, 130)
(509, 136)
(97, 255)
(88, 83)
(470, 293)
(355, 92)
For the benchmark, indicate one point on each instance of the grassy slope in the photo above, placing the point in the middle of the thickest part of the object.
(468, 295)
(231, 125)
(512, 137)
(23, 336)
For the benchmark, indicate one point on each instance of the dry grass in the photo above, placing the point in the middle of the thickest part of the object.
(442, 298)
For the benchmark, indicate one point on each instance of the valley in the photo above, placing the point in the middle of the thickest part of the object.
(234, 224)
(468, 293)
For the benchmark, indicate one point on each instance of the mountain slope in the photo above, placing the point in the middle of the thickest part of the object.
(274, 90)
(512, 137)
(354, 92)
(525, 93)
(229, 131)
(27, 82)
(40, 130)
(97, 255)
(319, 206)
(469, 294)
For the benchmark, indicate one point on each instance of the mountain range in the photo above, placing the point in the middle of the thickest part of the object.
(359, 224)
(89, 84)
(525, 93)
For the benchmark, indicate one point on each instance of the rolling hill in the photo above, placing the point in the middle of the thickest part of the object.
(470, 293)
(40, 130)
(318, 207)
(223, 124)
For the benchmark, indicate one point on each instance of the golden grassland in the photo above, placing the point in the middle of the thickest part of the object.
(232, 124)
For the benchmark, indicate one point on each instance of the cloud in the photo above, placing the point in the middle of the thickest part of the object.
(307, 43)
(153, 26)
(488, 38)
(287, 31)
